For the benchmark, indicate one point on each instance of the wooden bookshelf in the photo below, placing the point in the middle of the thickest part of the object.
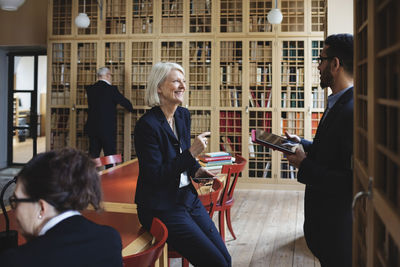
(242, 72)
(61, 20)
(376, 234)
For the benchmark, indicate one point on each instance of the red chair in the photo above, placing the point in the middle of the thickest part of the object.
(149, 256)
(226, 200)
(108, 160)
(209, 200)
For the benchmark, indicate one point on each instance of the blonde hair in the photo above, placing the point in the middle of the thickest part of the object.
(156, 77)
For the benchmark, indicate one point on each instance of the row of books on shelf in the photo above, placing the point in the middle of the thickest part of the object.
(318, 97)
(231, 73)
(115, 25)
(200, 52)
(140, 73)
(142, 25)
(260, 98)
(61, 52)
(142, 50)
(87, 51)
(200, 73)
(115, 52)
(61, 74)
(292, 98)
(261, 74)
(86, 76)
(115, 8)
(59, 140)
(231, 51)
(231, 24)
(200, 7)
(172, 7)
(230, 121)
(293, 122)
(315, 118)
(200, 98)
(171, 50)
(258, 169)
(288, 171)
(59, 121)
(142, 7)
(231, 144)
(261, 51)
(172, 24)
(231, 97)
(292, 74)
(259, 24)
(315, 74)
(201, 122)
(60, 98)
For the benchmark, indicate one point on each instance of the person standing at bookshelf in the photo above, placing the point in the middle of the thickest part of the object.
(101, 125)
(325, 165)
(167, 161)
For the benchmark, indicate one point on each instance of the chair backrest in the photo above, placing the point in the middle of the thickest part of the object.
(107, 160)
(232, 174)
(149, 256)
(210, 199)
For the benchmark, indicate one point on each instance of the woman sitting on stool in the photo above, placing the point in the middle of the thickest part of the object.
(167, 161)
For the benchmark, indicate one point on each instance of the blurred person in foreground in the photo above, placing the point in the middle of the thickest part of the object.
(50, 191)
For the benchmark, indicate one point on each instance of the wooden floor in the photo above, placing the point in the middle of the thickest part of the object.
(269, 228)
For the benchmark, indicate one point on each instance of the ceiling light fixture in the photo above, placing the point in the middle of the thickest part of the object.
(275, 15)
(11, 5)
(82, 20)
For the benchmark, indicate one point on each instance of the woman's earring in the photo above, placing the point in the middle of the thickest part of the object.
(40, 216)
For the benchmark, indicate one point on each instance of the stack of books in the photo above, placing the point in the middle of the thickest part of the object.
(214, 161)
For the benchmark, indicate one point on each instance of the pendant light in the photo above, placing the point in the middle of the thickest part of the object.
(275, 15)
(11, 5)
(82, 20)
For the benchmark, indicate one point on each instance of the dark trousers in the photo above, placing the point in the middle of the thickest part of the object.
(328, 230)
(107, 143)
(191, 232)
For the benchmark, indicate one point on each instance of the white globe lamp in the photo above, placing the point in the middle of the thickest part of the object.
(82, 20)
(275, 15)
(11, 5)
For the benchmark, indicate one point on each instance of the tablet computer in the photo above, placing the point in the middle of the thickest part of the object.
(273, 141)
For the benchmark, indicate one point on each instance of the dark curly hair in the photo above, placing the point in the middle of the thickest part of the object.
(341, 46)
(67, 179)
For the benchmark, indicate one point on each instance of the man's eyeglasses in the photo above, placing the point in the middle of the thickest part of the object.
(13, 200)
(320, 59)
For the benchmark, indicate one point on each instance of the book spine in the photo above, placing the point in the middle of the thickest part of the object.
(209, 159)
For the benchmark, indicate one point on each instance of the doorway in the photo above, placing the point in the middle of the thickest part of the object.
(27, 106)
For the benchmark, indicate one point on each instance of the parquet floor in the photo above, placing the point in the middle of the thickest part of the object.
(269, 228)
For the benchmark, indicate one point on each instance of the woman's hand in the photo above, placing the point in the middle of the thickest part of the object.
(199, 144)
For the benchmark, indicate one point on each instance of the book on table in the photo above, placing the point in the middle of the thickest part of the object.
(205, 158)
(274, 141)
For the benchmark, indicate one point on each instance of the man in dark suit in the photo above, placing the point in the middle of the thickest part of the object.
(325, 165)
(101, 125)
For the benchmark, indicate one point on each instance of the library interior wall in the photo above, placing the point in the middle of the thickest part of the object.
(25, 27)
(340, 16)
